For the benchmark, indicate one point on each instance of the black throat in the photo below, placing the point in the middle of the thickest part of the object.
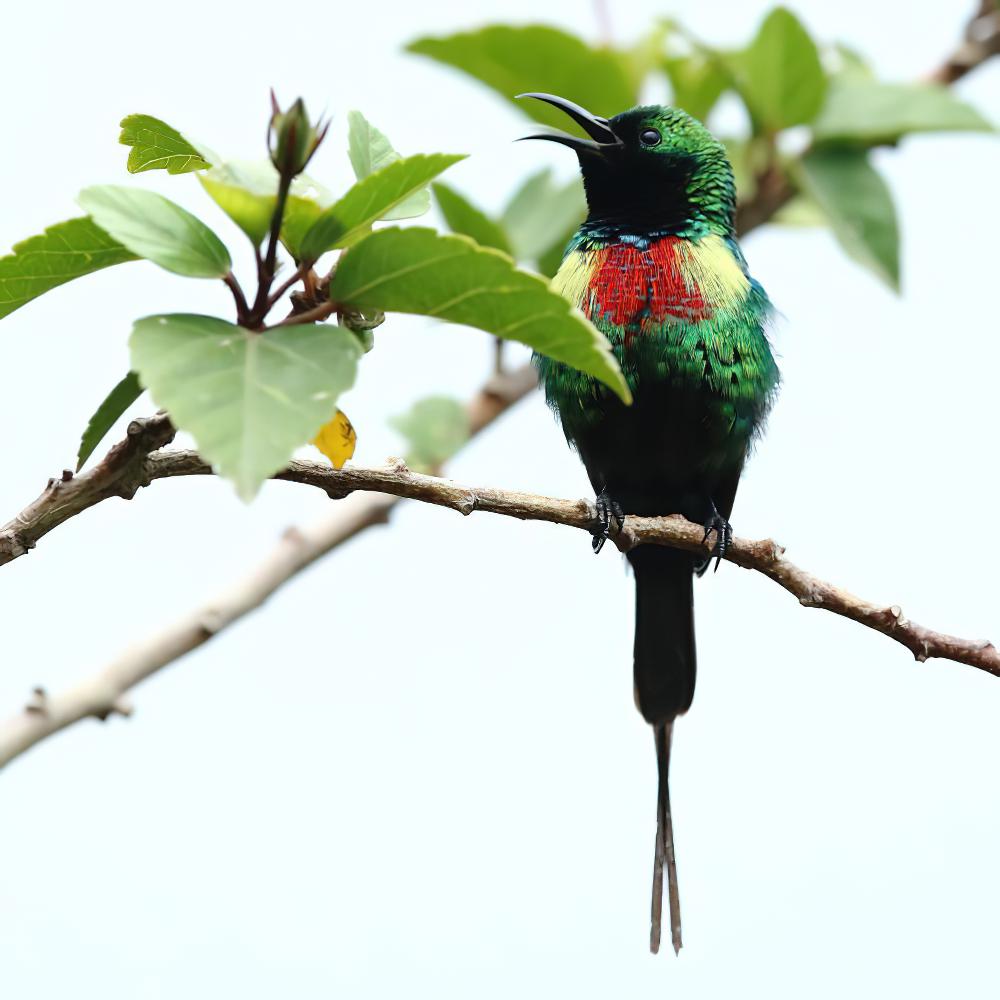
(625, 192)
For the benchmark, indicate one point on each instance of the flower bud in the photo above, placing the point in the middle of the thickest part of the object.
(292, 139)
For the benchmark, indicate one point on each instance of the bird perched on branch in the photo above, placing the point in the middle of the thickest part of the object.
(656, 268)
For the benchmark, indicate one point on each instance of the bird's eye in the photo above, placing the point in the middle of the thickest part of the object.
(649, 137)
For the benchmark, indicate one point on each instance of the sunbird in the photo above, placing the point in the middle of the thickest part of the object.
(657, 269)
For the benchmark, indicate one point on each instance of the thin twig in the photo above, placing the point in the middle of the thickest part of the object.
(773, 192)
(266, 264)
(299, 274)
(314, 315)
(270, 258)
(104, 693)
(242, 308)
(980, 42)
(603, 15)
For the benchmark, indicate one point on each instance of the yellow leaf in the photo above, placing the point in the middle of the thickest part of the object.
(337, 439)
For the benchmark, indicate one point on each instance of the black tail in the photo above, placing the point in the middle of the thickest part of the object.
(664, 632)
(664, 674)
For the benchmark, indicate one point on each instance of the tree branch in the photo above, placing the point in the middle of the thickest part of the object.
(120, 474)
(764, 556)
(980, 41)
(103, 694)
(773, 192)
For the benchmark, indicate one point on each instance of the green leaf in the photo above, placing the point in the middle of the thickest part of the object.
(249, 210)
(158, 229)
(465, 219)
(696, 82)
(868, 112)
(434, 428)
(780, 75)
(549, 261)
(450, 277)
(157, 146)
(743, 160)
(63, 252)
(858, 206)
(121, 397)
(247, 191)
(370, 199)
(522, 218)
(645, 55)
(369, 150)
(800, 211)
(248, 399)
(848, 62)
(515, 60)
(540, 212)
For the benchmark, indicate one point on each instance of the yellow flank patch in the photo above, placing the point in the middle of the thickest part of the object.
(572, 280)
(710, 266)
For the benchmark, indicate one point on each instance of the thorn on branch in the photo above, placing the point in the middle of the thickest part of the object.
(38, 703)
(896, 617)
(122, 706)
(142, 436)
(66, 476)
(212, 622)
(468, 503)
(980, 42)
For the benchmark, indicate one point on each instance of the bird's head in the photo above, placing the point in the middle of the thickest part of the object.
(652, 166)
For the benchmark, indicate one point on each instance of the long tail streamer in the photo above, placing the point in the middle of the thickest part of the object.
(663, 855)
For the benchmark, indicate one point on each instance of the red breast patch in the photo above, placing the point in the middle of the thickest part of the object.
(631, 285)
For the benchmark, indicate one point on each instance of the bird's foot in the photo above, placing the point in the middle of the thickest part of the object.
(723, 539)
(609, 511)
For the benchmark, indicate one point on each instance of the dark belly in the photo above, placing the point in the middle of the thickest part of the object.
(672, 451)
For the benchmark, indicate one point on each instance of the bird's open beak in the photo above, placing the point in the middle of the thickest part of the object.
(602, 138)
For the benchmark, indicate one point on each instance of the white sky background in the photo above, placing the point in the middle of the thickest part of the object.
(419, 771)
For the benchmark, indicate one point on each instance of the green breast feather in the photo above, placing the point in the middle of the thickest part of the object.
(683, 318)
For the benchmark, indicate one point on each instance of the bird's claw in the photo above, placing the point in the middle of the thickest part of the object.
(609, 511)
(723, 539)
